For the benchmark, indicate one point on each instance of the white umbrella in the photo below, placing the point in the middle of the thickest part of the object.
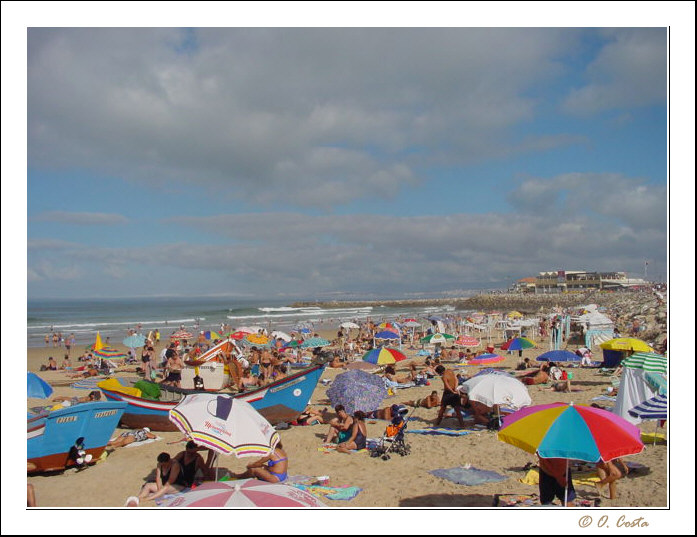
(412, 324)
(245, 493)
(349, 325)
(277, 334)
(225, 425)
(493, 389)
(247, 329)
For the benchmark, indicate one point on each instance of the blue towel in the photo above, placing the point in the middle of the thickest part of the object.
(468, 476)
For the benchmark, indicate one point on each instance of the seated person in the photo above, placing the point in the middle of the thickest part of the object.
(280, 372)
(429, 401)
(52, 366)
(272, 468)
(66, 363)
(169, 479)
(310, 417)
(128, 437)
(525, 364)
(394, 380)
(358, 437)
(94, 395)
(336, 362)
(339, 427)
(541, 376)
(191, 462)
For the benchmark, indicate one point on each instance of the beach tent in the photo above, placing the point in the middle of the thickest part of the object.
(634, 389)
(599, 327)
(612, 358)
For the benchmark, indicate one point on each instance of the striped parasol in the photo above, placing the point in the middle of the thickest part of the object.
(486, 358)
(383, 355)
(110, 353)
(648, 361)
(181, 334)
(655, 408)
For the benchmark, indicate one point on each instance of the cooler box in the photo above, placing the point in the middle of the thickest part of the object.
(214, 375)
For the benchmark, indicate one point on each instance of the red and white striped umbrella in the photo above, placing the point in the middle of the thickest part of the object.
(181, 334)
(467, 341)
(245, 493)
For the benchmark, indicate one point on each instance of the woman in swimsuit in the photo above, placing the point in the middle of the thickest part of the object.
(169, 479)
(357, 439)
(273, 468)
(139, 435)
(191, 462)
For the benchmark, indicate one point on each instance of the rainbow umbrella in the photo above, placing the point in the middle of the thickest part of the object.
(388, 326)
(626, 344)
(97, 343)
(486, 358)
(110, 353)
(568, 431)
(437, 338)
(518, 344)
(210, 334)
(467, 341)
(383, 355)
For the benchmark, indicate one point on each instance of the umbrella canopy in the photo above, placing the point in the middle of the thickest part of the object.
(648, 361)
(580, 432)
(411, 323)
(315, 342)
(496, 389)
(559, 356)
(291, 344)
(134, 341)
(436, 318)
(386, 334)
(281, 335)
(518, 344)
(110, 353)
(303, 330)
(97, 343)
(626, 344)
(237, 335)
(437, 338)
(655, 408)
(257, 339)
(486, 358)
(388, 326)
(181, 334)
(657, 382)
(515, 314)
(383, 355)
(357, 390)
(210, 334)
(38, 387)
(246, 330)
(224, 424)
(467, 341)
(244, 493)
(349, 325)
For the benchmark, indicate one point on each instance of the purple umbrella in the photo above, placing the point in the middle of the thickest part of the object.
(357, 390)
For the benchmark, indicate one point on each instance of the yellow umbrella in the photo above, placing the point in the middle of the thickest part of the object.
(258, 339)
(98, 345)
(515, 314)
(626, 344)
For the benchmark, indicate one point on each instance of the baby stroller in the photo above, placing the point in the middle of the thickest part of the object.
(393, 440)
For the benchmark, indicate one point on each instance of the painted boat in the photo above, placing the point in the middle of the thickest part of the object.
(52, 437)
(279, 401)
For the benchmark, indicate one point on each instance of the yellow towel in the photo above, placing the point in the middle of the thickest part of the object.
(648, 438)
(115, 386)
(583, 478)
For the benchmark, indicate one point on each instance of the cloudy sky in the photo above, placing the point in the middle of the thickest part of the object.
(300, 162)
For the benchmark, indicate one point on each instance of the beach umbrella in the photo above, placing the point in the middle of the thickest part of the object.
(97, 343)
(486, 358)
(210, 334)
(315, 342)
(647, 361)
(568, 431)
(558, 356)
(349, 325)
(411, 323)
(291, 344)
(134, 341)
(244, 493)
(626, 344)
(181, 334)
(495, 389)
(383, 355)
(467, 341)
(655, 408)
(277, 334)
(224, 424)
(388, 326)
(237, 335)
(657, 382)
(357, 390)
(246, 330)
(386, 334)
(515, 314)
(436, 318)
(518, 344)
(437, 338)
(257, 339)
(38, 387)
(492, 371)
(110, 353)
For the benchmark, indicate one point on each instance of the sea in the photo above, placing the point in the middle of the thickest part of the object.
(113, 318)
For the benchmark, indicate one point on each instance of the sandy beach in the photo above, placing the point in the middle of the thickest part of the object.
(398, 482)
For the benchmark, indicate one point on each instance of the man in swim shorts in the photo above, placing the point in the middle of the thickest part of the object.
(451, 396)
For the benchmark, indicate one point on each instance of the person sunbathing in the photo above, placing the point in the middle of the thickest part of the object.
(541, 376)
(394, 380)
(386, 413)
(89, 371)
(129, 437)
(310, 416)
(94, 395)
(430, 401)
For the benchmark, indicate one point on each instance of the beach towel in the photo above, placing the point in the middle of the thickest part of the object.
(648, 438)
(329, 493)
(605, 398)
(148, 441)
(87, 384)
(442, 431)
(468, 476)
(331, 448)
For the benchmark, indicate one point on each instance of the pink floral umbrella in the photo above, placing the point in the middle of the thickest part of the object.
(467, 341)
(245, 493)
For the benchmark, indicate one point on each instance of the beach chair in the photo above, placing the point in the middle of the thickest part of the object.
(393, 439)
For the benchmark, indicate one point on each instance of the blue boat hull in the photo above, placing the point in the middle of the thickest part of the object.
(51, 436)
(281, 401)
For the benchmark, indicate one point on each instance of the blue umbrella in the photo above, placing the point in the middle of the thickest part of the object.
(357, 390)
(315, 342)
(38, 387)
(559, 356)
(387, 334)
(134, 341)
(655, 408)
(492, 371)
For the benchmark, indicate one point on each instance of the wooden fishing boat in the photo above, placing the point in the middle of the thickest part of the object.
(279, 401)
(55, 439)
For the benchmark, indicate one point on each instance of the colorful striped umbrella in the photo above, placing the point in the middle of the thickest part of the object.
(388, 326)
(110, 353)
(518, 344)
(437, 338)
(383, 355)
(181, 334)
(210, 334)
(626, 344)
(315, 342)
(486, 358)
(97, 343)
(648, 361)
(244, 493)
(467, 341)
(224, 424)
(559, 356)
(568, 431)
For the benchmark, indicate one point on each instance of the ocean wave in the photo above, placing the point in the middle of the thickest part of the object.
(283, 315)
